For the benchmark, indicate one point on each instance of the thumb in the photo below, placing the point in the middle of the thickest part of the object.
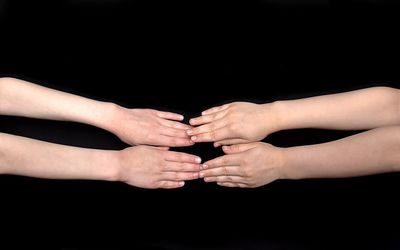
(237, 148)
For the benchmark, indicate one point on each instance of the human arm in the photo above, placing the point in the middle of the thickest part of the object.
(256, 164)
(133, 126)
(141, 166)
(243, 122)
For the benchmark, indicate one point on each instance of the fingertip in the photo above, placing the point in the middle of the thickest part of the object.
(216, 145)
(181, 184)
(198, 160)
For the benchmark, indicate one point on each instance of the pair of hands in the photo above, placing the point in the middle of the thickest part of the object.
(246, 164)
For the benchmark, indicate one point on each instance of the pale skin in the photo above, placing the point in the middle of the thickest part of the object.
(256, 164)
(133, 126)
(241, 122)
(251, 164)
(141, 166)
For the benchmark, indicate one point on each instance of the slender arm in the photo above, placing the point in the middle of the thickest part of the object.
(141, 166)
(24, 156)
(21, 98)
(371, 152)
(354, 110)
(133, 126)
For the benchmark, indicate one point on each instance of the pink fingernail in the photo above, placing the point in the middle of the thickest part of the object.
(193, 138)
(189, 132)
(198, 159)
(201, 175)
(205, 166)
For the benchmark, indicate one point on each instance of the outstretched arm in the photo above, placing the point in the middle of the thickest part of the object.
(141, 166)
(256, 164)
(134, 126)
(244, 122)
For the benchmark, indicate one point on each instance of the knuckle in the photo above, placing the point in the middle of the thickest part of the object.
(224, 160)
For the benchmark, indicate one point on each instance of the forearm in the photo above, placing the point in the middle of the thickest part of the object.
(21, 98)
(361, 109)
(23, 156)
(371, 152)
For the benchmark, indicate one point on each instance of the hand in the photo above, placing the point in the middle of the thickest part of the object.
(234, 123)
(247, 165)
(156, 167)
(148, 126)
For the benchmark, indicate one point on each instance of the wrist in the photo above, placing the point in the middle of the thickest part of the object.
(291, 169)
(273, 118)
(113, 168)
(109, 116)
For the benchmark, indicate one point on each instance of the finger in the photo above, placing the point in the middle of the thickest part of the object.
(207, 127)
(234, 179)
(179, 176)
(174, 124)
(162, 148)
(232, 184)
(222, 171)
(238, 148)
(212, 136)
(170, 115)
(230, 142)
(182, 167)
(181, 157)
(215, 109)
(206, 118)
(171, 184)
(225, 160)
(164, 140)
(173, 132)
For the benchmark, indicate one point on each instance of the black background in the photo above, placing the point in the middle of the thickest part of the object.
(186, 56)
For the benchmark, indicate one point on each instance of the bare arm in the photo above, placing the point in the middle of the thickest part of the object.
(134, 126)
(244, 122)
(141, 166)
(371, 152)
(354, 110)
(256, 164)
(22, 98)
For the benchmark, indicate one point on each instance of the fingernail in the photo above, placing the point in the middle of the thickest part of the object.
(181, 117)
(205, 166)
(193, 138)
(189, 132)
(196, 175)
(181, 184)
(201, 175)
(206, 179)
(191, 120)
(198, 159)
